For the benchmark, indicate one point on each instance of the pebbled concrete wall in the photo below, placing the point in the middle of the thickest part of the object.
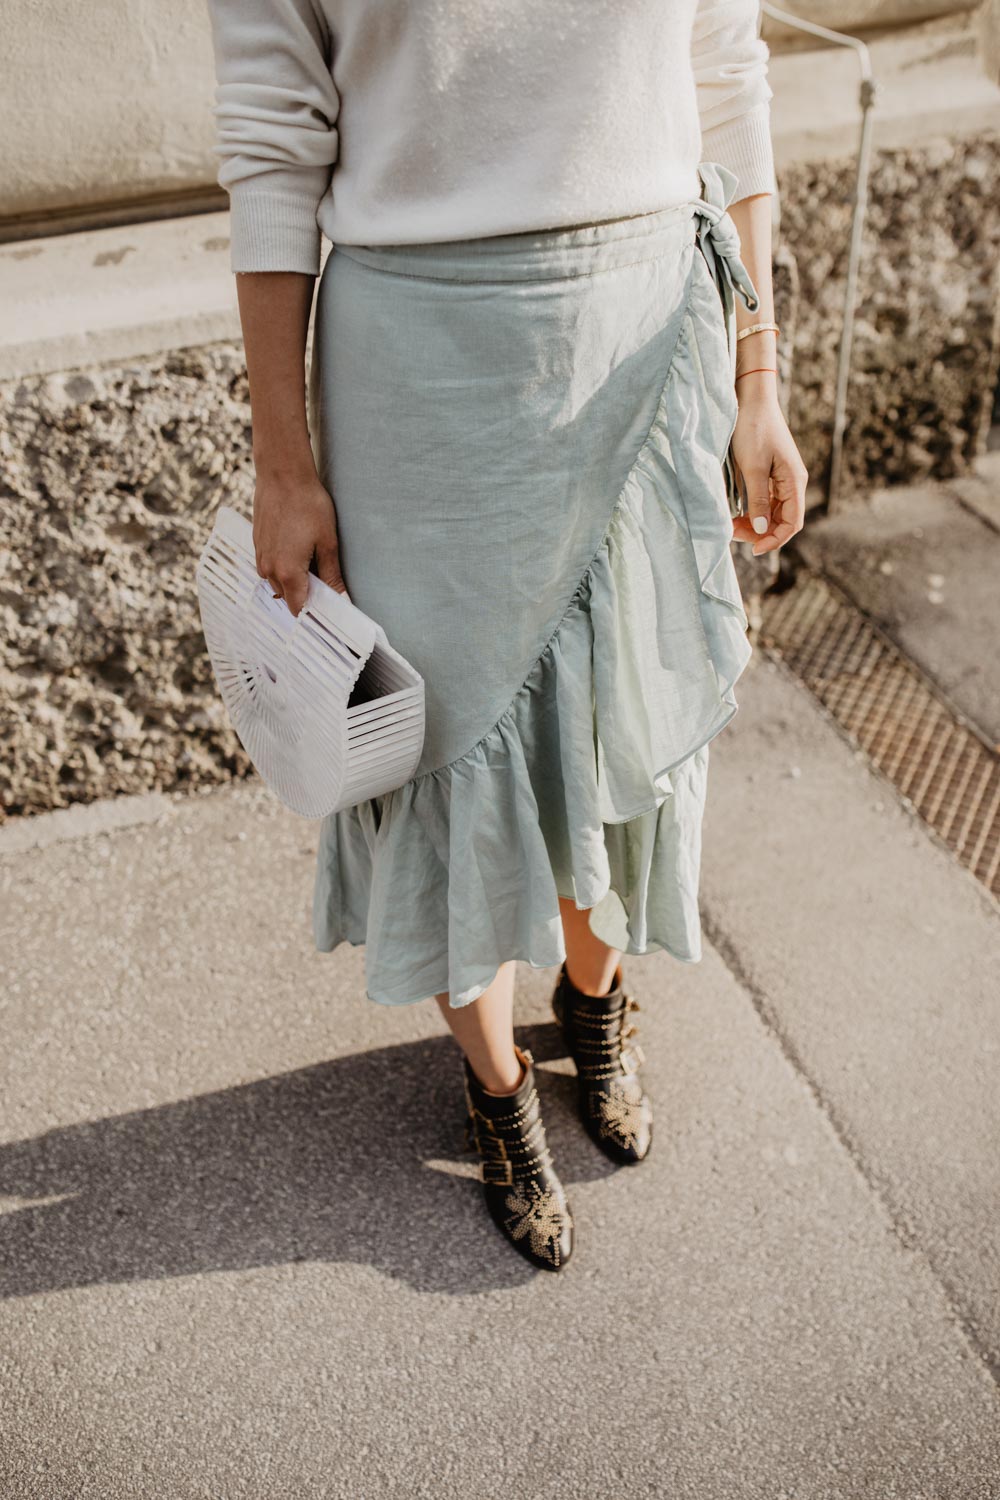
(925, 351)
(109, 480)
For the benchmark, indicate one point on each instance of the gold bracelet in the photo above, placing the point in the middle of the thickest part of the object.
(745, 333)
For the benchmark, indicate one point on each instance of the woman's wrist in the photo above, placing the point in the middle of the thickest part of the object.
(284, 464)
(756, 365)
(281, 446)
(756, 386)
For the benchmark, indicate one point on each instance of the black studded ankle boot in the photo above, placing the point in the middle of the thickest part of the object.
(614, 1108)
(523, 1193)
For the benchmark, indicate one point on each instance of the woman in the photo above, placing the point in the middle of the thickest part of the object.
(513, 455)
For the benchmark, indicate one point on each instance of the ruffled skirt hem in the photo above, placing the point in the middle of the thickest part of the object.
(591, 785)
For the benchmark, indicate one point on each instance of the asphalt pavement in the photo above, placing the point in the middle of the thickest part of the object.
(242, 1253)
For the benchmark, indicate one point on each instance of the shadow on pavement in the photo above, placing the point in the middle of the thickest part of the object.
(360, 1159)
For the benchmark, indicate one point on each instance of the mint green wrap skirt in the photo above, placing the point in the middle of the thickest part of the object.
(526, 438)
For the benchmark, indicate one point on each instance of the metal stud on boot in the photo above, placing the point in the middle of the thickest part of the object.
(598, 1030)
(523, 1193)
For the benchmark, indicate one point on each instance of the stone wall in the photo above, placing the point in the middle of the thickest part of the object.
(109, 481)
(924, 359)
(110, 477)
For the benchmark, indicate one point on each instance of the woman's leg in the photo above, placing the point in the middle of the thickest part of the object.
(484, 1030)
(590, 964)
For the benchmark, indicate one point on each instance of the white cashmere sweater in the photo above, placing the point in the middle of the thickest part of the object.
(399, 121)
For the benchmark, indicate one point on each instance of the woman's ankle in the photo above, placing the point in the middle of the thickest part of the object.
(498, 1080)
(593, 980)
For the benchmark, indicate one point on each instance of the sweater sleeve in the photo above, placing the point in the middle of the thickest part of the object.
(275, 110)
(730, 71)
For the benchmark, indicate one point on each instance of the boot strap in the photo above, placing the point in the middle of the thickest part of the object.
(487, 1168)
(604, 1052)
(500, 1155)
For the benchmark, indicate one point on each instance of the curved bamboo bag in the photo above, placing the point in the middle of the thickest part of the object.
(327, 711)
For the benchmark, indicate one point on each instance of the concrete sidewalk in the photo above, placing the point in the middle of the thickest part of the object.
(241, 1250)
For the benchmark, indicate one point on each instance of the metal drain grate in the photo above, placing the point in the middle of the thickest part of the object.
(946, 773)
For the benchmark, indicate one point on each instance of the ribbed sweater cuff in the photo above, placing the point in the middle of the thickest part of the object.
(745, 147)
(273, 231)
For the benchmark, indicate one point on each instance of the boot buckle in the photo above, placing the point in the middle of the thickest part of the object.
(632, 1058)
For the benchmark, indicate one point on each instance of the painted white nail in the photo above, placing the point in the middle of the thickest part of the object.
(760, 524)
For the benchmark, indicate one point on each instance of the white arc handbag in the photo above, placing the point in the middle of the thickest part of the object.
(327, 711)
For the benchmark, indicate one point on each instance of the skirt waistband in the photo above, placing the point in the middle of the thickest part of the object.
(580, 250)
(536, 255)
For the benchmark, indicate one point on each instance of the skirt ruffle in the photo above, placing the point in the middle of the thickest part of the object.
(591, 784)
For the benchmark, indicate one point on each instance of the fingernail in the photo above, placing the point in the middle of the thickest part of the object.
(760, 524)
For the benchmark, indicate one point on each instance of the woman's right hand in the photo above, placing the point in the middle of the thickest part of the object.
(294, 519)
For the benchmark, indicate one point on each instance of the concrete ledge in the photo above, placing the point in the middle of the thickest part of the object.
(930, 83)
(858, 16)
(84, 820)
(113, 294)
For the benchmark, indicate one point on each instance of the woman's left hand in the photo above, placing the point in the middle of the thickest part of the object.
(773, 474)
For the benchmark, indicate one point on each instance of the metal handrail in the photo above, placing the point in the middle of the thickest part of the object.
(867, 101)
